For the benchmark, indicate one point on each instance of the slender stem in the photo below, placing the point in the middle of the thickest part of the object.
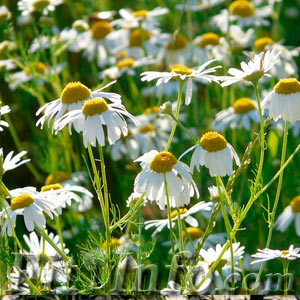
(277, 196)
(106, 198)
(139, 281)
(262, 139)
(169, 215)
(180, 229)
(227, 223)
(285, 264)
(176, 115)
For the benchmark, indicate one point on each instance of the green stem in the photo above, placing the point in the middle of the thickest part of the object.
(277, 196)
(176, 115)
(262, 138)
(169, 215)
(285, 264)
(106, 198)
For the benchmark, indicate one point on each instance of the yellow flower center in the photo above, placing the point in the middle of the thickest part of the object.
(39, 68)
(49, 187)
(100, 30)
(181, 69)
(213, 141)
(74, 92)
(174, 213)
(209, 38)
(261, 43)
(21, 201)
(122, 54)
(127, 62)
(140, 13)
(285, 252)
(94, 107)
(295, 204)
(163, 162)
(138, 37)
(243, 106)
(194, 233)
(146, 128)
(151, 110)
(287, 86)
(59, 177)
(40, 4)
(241, 8)
(114, 242)
(178, 43)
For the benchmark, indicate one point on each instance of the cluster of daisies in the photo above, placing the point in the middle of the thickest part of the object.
(128, 45)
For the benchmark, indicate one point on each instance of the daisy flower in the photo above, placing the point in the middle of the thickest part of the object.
(32, 205)
(72, 97)
(269, 254)
(240, 39)
(210, 255)
(240, 115)
(244, 13)
(215, 153)
(64, 195)
(132, 19)
(182, 73)
(282, 102)
(73, 179)
(44, 6)
(90, 120)
(289, 214)
(96, 42)
(4, 110)
(185, 215)
(126, 65)
(256, 68)
(10, 162)
(36, 70)
(44, 261)
(174, 49)
(210, 46)
(158, 167)
(7, 64)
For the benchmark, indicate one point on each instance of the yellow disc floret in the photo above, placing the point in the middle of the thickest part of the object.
(140, 13)
(100, 30)
(74, 92)
(209, 38)
(146, 128)
(21, 201)
(194, 233)
(122, 54)
(40, 4)
(174, 213)
(181, 69)
(138, 37)
(243, 106)
(178, 43)
(261, 43)
(49, 187)
(241, 8)
(40, 68)
(94, 107)
(213, 141)
(295, 204)
(114, 242)
(151, 110)
(287, 86)
(127, 62)
(59, 177)
(163, 162)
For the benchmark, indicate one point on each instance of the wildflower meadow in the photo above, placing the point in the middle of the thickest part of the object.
(149, 147)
